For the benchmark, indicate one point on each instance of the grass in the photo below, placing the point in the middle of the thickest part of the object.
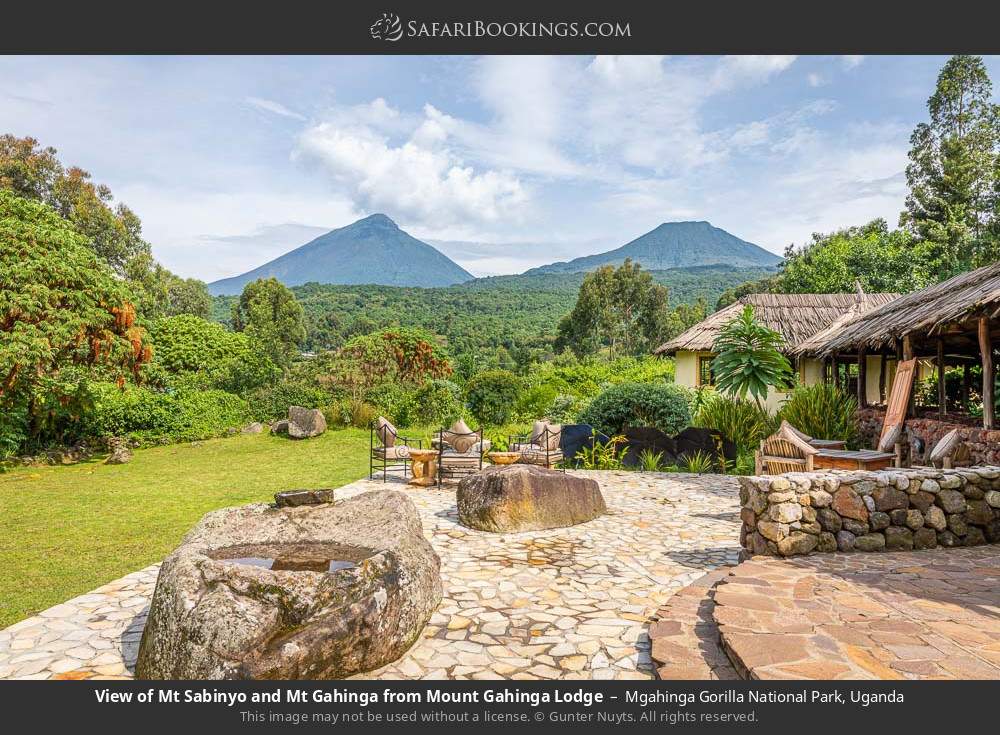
(67, 530)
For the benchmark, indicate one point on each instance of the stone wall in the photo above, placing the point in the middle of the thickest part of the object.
(984, 445)
(806, 512)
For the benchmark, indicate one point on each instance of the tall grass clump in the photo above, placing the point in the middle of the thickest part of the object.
(743, 422)
(823, 411)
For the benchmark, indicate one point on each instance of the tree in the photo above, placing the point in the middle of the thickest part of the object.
(622, 309)
(270, 315)
(112, 231)
(871, 255)
(953, 170)
(491, 396)
(749, 358)
(188, 296)
(64, 319)
(399, 355)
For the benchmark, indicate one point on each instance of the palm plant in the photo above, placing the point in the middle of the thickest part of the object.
(749, 358)
(697, 463)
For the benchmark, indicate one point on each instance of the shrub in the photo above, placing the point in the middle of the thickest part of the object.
(822, 411)
(565, 408)
(534, 402)
(665, 406)
(350, 412)
(393, 401)
(271, 402)
(742, 422)
(437, 403)
(491, 396)
(192, 351)
(602, 455)
(147, 415)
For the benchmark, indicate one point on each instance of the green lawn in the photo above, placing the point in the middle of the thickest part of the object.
(67, 530)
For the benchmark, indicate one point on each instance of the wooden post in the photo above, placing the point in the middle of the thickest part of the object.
(942, 393)
(986, 352)
(862, 378)
(883, 364)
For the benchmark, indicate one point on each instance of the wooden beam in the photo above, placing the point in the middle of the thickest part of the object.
(883, 366)
(942, 394)
(862, 378)
(986, 353)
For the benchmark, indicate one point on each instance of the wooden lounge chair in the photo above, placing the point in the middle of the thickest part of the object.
(784, 451)
(541, 446)
(818, 443)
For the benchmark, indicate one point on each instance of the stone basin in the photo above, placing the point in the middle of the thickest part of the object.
(311, 592)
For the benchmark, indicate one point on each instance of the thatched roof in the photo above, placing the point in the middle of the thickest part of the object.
(797, 317)
(928, 311)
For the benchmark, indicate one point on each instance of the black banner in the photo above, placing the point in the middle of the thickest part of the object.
(384, 706)
(511, 27)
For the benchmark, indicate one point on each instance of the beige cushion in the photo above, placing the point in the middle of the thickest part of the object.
(460, 436)
(946, 446)
(386, 431)
(554, 436)
(537, 429)
(890, 439)
(399, 451)
(540, 456)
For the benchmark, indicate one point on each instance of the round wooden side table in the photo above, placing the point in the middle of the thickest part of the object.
(424, 466)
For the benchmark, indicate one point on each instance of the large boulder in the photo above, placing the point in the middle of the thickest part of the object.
(524, 497)
(304, 423)
(313, 592)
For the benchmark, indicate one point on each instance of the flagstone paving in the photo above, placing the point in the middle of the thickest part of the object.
(931, 614)
(570, 603)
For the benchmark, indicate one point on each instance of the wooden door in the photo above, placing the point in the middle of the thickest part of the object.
(899, 398)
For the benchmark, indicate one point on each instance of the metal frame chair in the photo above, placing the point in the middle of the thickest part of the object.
(378, 452)
(538, 453)
(452, 463)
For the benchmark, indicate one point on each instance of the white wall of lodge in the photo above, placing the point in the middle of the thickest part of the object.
(688, 372)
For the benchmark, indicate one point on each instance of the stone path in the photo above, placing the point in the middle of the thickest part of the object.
(565, 603)
(914, 615)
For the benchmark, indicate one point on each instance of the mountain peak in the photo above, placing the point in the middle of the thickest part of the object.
(372, 250)
(675, 245)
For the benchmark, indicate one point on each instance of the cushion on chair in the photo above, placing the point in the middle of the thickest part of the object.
(537, 429)
(890, 439)
(386, 431)
(554, 436)
(399, 451)
(540, 456)
(460, 437)
(945, 446)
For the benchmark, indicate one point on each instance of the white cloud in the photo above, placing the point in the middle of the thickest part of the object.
(417, 179)
(273, 107)
(816, 80)
(849, 61)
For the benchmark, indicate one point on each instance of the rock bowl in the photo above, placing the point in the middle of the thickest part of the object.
(311, 592)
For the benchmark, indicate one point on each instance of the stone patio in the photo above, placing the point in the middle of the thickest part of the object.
(903, 615)
(572, 603)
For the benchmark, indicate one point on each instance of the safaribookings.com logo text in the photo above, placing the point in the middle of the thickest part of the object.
(390, 28)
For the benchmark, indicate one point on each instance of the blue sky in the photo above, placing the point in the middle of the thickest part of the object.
(504, 163)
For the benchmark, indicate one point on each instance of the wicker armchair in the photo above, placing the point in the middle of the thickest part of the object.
(460, 451)
(541, 446)
(388, 450)
(784, 451)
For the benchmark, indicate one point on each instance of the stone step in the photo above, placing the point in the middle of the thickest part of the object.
(685, 637)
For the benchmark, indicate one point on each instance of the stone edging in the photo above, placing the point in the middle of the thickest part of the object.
(805, 512)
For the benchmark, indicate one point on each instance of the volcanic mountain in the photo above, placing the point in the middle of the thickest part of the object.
(674, 245)
(372, 250)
